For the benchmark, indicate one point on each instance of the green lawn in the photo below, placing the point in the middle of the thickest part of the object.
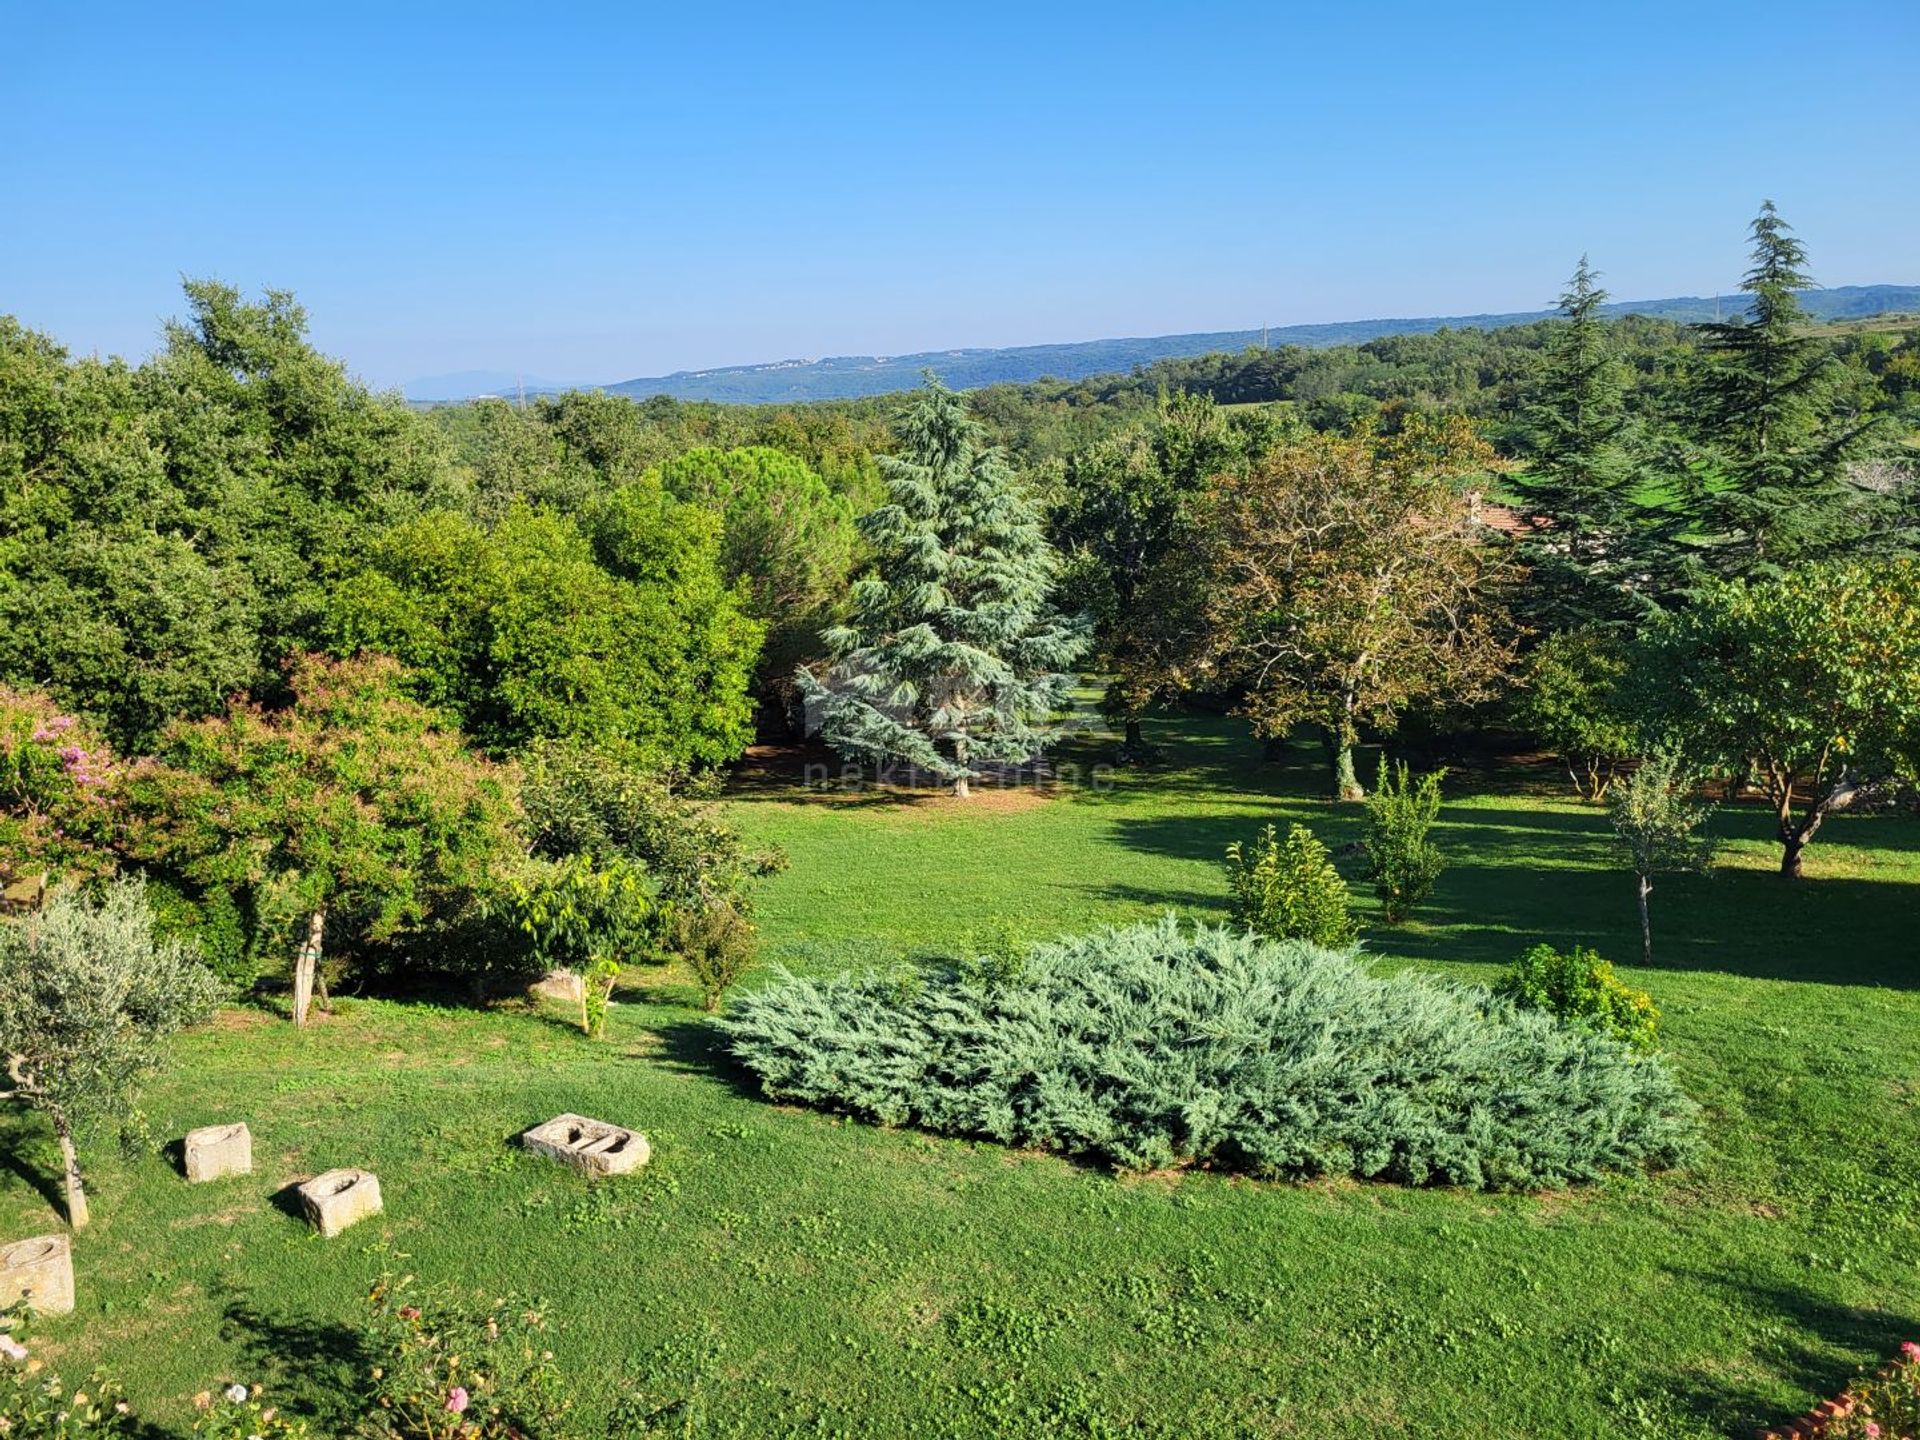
(820, 1278)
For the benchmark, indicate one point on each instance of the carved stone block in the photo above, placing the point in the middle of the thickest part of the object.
(39, 1271)
(340, 1198)
(590, 1146)
(216, 1150)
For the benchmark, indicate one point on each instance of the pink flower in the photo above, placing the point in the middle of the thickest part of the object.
(1910, 1350)
(457, 1400)
(1873, 1431)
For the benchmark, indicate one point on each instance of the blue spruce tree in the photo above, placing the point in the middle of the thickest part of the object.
(954, 654)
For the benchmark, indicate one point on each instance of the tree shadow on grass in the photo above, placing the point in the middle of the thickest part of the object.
(1517, 876)
(1828, 931)
(21, 1140)
(697, 1047)
(316, 1368)
(1810, 1329)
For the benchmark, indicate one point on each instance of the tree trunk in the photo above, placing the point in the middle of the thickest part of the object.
(961, 790)
(1792, 845)
(76, 1189)
(1133, 743)
(307, 964)
(1346, 784)
(1646, 922)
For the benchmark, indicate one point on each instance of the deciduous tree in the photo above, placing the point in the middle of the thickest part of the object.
(349, 811)
(1350, 577)
(1657, 829)
(1808, 684)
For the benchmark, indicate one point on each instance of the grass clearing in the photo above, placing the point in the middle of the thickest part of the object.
(814, 1277)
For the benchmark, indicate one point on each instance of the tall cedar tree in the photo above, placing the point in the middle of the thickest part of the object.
(1348, 578)
(1778, 425)
(954, 653)
(1590, 555)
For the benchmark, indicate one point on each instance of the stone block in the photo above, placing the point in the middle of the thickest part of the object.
(562, 985)
(590, 1146)
(216, 1150)
(340, 1198)
(39, 1271)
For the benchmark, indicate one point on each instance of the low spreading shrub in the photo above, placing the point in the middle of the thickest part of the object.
(1290, 891)
(1402, 859)
(1160, 1045)
(1581, 989)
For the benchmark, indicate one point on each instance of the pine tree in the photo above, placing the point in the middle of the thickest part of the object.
(1598, 550)
(1779, 436)
(954, 652)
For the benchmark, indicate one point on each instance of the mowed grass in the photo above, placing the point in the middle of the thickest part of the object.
(806, 1276)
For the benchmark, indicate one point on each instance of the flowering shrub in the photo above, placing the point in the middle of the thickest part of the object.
(445, 1371)
(1883, 1406)
(36, 1405)
(56, 787)
(1581, 989)
(238, 1413)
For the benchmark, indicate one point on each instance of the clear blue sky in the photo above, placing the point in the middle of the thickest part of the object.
(593, 193)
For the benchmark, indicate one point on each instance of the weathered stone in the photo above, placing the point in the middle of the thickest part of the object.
(562, 985)
(340, 1198)
(216, 1150)
(38, 1271)
(591, 1146)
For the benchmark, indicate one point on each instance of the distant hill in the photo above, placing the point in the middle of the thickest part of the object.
(471, 384)
(848, 376)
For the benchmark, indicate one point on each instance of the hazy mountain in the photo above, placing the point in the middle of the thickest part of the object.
(844, 376)
(469, 384)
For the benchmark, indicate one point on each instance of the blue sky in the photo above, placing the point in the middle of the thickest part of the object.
(592, 193)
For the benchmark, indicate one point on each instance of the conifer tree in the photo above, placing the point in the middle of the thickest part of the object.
(1778, 427)
(954, 653)
(1595, 552)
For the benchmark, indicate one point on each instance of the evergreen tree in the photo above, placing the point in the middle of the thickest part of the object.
(1778, 429)
(954, 651)
(1594, 553)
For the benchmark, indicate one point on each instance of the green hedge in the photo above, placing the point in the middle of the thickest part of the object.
(1163, 1044)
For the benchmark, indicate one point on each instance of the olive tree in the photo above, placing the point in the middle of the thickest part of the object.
(87, 995)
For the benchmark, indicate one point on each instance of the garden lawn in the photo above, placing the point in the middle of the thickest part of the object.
(804, 1276)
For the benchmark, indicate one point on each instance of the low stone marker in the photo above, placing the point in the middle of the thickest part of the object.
(340, 1198)
(39, 1271)
(216, 1150)
(562, 985)
(590, 1146)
